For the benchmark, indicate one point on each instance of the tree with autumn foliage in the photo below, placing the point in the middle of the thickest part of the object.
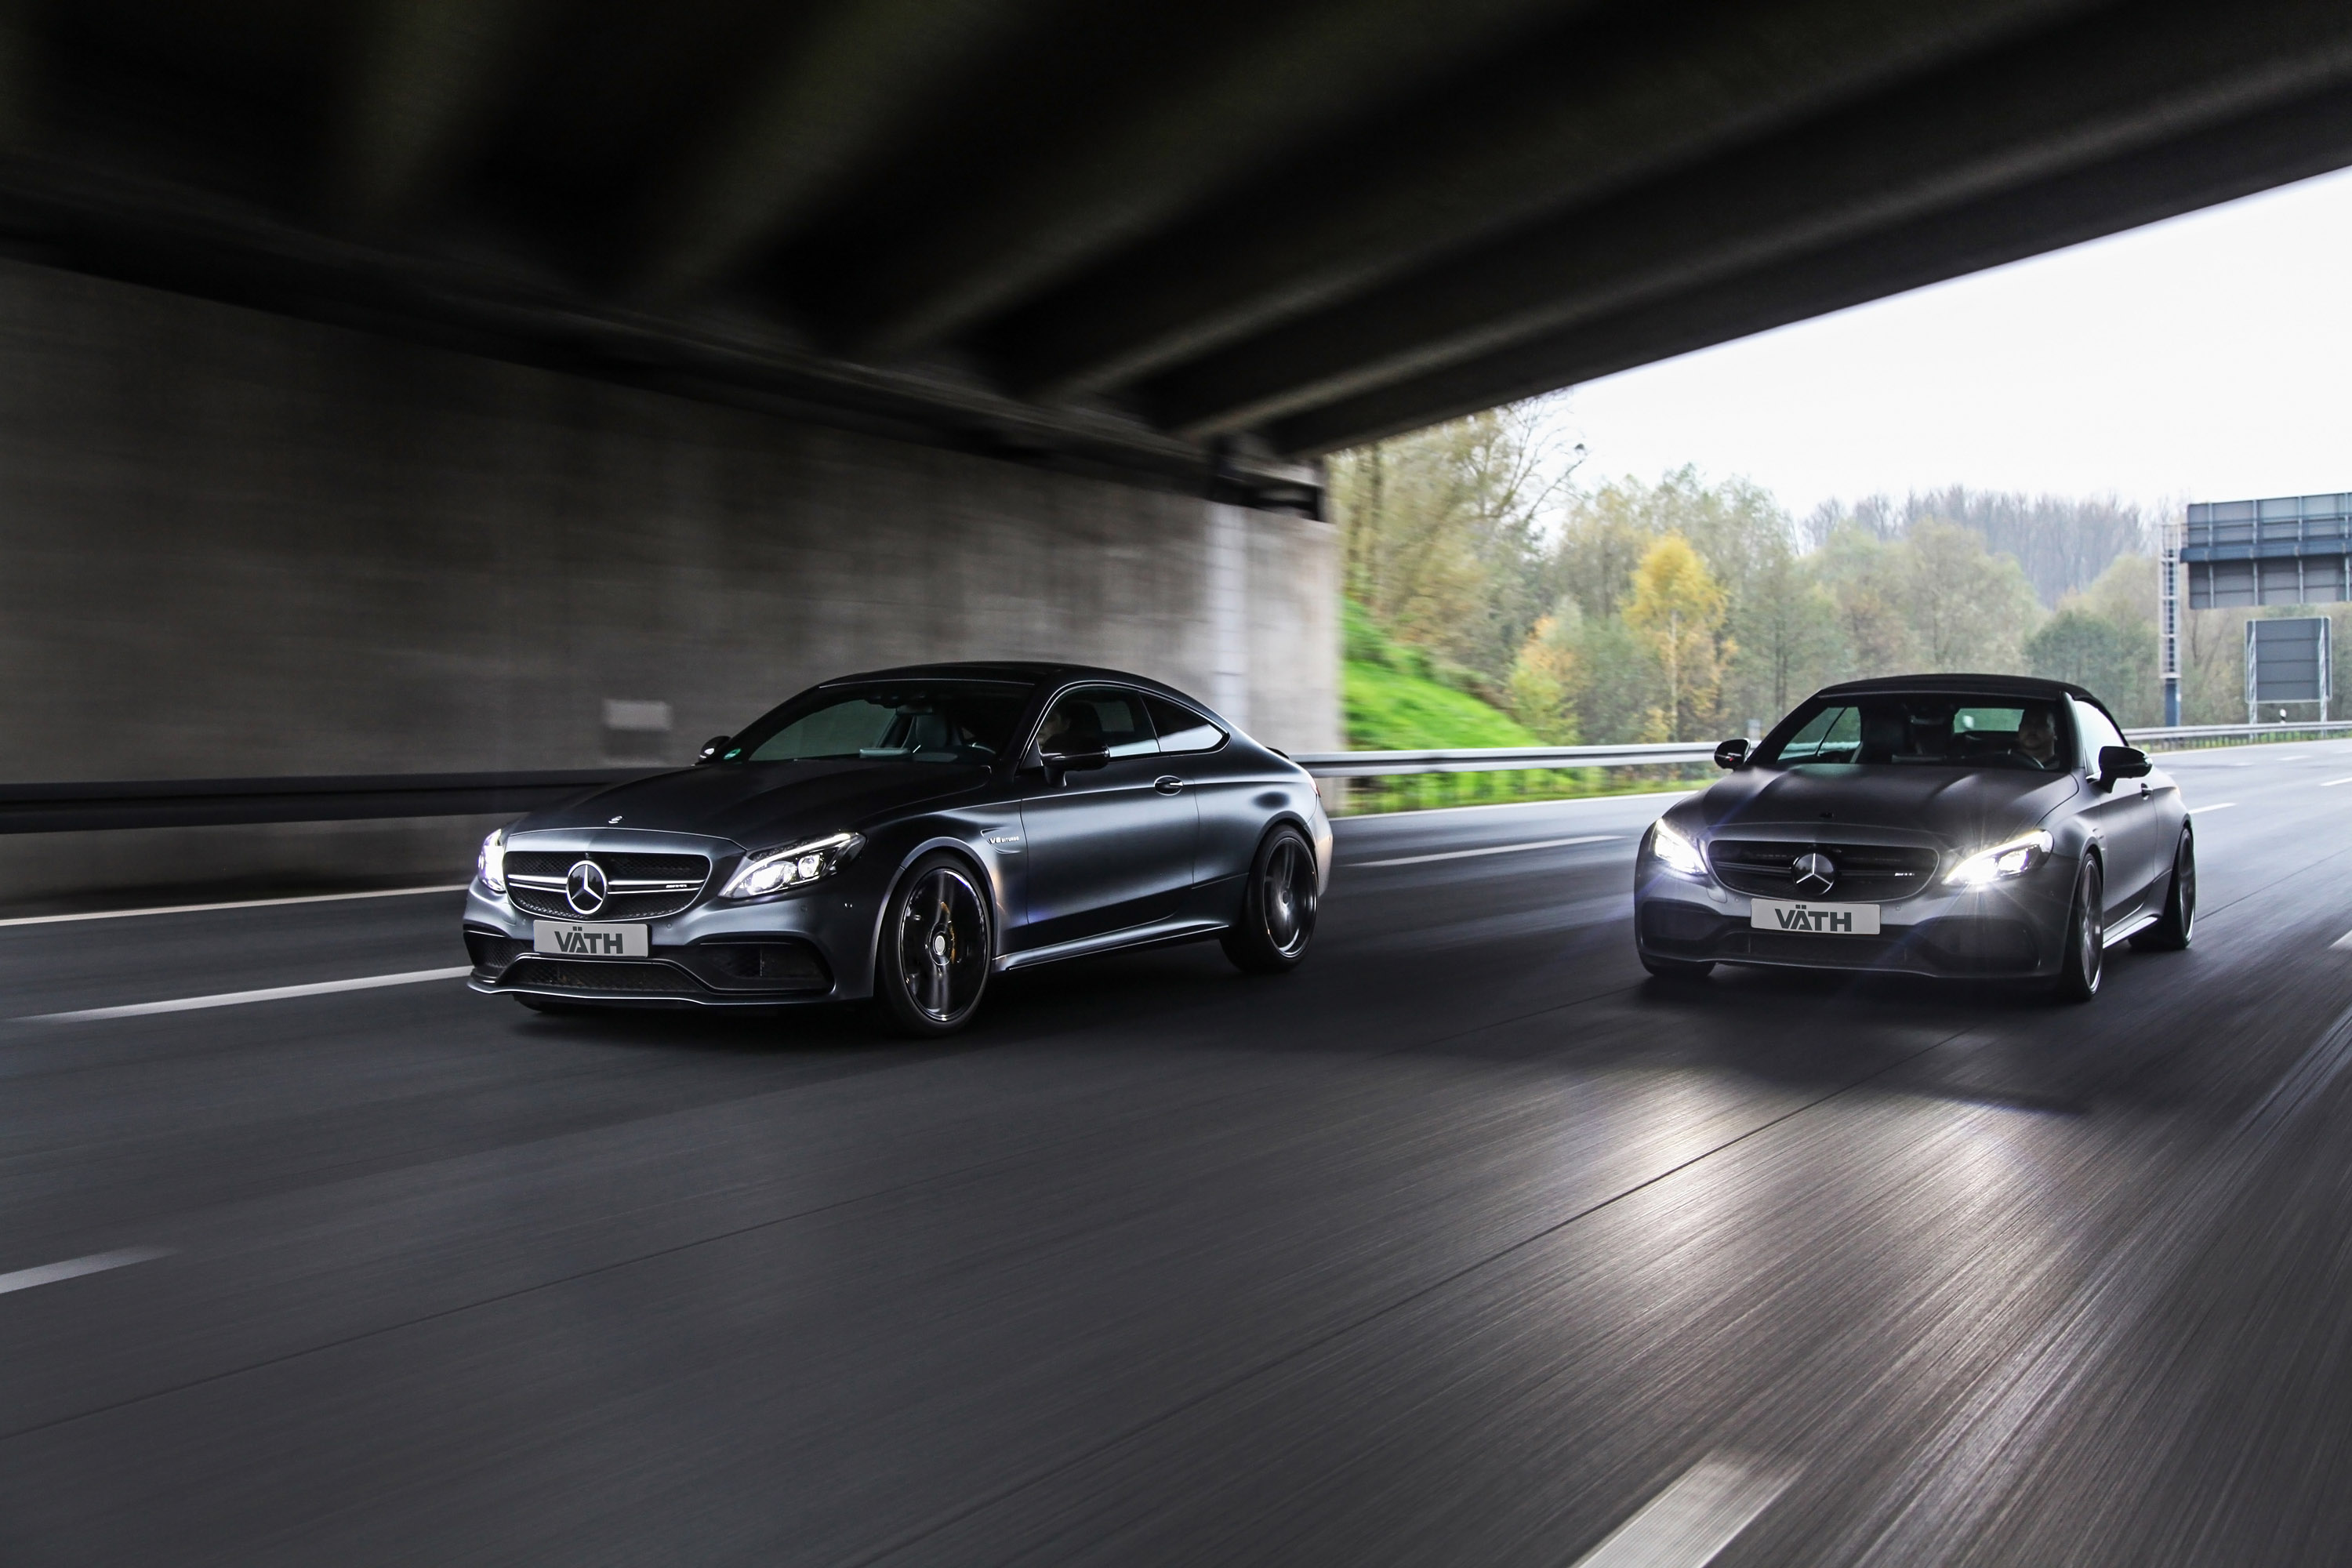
(1678, 610)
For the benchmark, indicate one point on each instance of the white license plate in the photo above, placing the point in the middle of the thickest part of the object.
(585, 938)
(1826, 919)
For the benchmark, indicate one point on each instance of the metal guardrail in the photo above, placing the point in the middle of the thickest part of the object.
(212, 803)
(1498, 759)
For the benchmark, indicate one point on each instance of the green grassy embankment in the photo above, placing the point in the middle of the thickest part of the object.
(1396, 699)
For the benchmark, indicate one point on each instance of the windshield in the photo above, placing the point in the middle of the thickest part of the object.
(1941, 729)
(903, 722)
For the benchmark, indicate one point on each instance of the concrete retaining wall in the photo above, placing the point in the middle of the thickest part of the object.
(233, 544)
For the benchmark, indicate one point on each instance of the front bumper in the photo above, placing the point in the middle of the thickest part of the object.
(781, 952)
(2014, 930)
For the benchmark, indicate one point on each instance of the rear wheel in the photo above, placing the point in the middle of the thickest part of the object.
(1277, 906)
(1678, 968)
(2086, 937)
(2173, 929)
(937, 949)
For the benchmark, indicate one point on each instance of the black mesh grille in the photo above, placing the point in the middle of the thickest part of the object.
(605, 976)
(620, 904)
(1866, 873)
(758, 966)
(493, 951)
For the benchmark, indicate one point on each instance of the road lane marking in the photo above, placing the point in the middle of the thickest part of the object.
(75, 1267)
(238, 998)
(2331, 783)
(2216, 806)
(2342, 944)
(1693, 1519)
(240, 904)
(1491, 849)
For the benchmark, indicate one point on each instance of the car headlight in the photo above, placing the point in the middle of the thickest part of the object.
(1675, 852)
(780, 870)
(492, 861)
(2000, 862)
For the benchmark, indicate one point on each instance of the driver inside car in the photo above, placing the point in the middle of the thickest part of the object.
(2037, 737)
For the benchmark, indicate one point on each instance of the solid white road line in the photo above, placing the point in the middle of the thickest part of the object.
(2331, 783)
(1685, 1525)
(242, 904)
(238, 998)
(75, 1267)
(1490, 849)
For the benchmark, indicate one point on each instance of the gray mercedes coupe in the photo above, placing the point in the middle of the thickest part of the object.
(903, 836)
(1977, 825)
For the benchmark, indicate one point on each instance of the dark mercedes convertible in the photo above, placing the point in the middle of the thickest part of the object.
(1952, 824)
(904, 836)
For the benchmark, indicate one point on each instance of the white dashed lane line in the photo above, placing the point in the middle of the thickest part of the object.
(2342, 944)
(2331, 783)
(239, 904)
(1691, 1521)
(1490, 849)
(75, 1267)
(238, 998)
(2216, 806)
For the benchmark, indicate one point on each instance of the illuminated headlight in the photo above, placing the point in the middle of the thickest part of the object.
(2000, 862)
(492, 861)
(1675, 852)
(780, 870)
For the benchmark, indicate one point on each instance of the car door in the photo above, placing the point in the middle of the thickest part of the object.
(1109, 848)
(2125, 814)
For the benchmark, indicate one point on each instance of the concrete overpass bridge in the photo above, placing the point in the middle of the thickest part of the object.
(426, 385)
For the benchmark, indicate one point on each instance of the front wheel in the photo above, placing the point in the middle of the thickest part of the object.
(2086, 937)
(2173, 928)
(1277, 906)
(937, 949)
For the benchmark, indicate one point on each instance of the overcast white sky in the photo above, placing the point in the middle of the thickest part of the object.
(2207, 358)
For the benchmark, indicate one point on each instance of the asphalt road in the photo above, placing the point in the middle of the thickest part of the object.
(1465, 1243)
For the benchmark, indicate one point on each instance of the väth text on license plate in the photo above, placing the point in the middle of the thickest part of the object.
(1826, 919)
(583, 939)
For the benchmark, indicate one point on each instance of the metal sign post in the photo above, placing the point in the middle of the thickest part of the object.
(2286, 662)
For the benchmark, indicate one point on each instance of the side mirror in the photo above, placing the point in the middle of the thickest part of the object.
(1070, 753)
(1731, 754)
(710, 748)
(2122, 762)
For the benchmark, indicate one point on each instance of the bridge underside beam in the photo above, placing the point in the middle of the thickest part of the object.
(1190, 244)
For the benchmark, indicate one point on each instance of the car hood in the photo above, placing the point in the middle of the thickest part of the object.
(762, 804)
(1961, 807)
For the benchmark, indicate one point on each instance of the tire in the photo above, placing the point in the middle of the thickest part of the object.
(937, 948)
(1678, 968)
(2173, 929)
(2086, 931)
(1278, 903)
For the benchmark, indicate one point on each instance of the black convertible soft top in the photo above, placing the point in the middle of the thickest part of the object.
(2032, 686)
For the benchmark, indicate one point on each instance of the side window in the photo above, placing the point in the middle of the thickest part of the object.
(1181, 729)
(1111, 716)
(2092, 726)
(1829, 736)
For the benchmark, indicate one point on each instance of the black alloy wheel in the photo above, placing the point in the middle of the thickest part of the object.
(1277, 906)
(2087, 937)
(937, 951)
(2174, 927)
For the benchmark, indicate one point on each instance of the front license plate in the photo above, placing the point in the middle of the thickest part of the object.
(583, 939)
(1828, 920)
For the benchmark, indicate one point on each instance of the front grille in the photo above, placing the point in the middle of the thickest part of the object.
(1979, 944)
(603, 975)
(641, 887)
(1866, 873)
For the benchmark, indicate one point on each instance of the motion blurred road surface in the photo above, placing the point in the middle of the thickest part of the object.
(1465, 1244)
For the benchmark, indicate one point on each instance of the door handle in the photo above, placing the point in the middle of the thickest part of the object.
(1167, 783)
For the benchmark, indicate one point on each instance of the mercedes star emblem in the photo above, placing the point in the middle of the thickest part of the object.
(1814, 871)
(584, 887)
